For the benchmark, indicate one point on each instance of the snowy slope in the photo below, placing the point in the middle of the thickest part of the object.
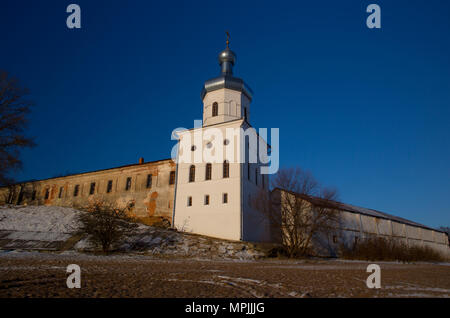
(50, 227)
(38, 219)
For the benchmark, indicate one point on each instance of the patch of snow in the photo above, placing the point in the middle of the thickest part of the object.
(240, 279)
(38, 219)
(49, 227)
(38, 236)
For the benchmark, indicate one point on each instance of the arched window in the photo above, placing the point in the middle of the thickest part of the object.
(128, 184)
(92, 188)
(75, 190)
(208, 171)
(215, 109)
(172, 177)
(192, 173)
(109, 186)
(226, 169)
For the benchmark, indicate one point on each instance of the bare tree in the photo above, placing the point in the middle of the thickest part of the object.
(13, 110)
(106, 225)
(299, 210)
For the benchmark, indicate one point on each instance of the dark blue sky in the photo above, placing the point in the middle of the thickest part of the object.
(367, 111)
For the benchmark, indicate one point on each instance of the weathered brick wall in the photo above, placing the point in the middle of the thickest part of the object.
(151, 204)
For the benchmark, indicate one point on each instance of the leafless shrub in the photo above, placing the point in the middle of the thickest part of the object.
(382, 249)
(106, 225)
(299, 211)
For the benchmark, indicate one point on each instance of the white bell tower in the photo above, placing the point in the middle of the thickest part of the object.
(213, 193)
(225, 98)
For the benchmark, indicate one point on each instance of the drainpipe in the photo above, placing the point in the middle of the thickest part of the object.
(175, 190)
(242, 202)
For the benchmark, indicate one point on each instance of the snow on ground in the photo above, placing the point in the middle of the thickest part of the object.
(38, 219)
(50, 227)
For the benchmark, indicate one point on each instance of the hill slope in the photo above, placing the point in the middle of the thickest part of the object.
(53, 228)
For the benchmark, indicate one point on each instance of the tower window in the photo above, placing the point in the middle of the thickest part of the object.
(225, 198)
(189, 201)
(92, 188)
(60, 192)
(262, 179)
(33, 195)
(334, 239)
(149, 181)
(248, 171)
(192, 173)
(76, 190)
(172, 177)
(109, 186)
(208, 171)
(47, 193)
(226, 169)
(207, 199)
(256, 176)
(245, 113)
(215, 109)
(128, 184)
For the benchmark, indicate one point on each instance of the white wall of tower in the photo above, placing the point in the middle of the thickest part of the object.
(232, 105)
(216, 219)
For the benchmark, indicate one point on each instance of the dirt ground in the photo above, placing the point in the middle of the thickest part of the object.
(33, 274)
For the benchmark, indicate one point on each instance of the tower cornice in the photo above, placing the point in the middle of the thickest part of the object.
(227, 81)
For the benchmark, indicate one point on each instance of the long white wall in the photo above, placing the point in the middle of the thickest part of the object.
(364, 226)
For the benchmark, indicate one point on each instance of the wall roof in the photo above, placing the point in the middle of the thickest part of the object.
(100, 170)
(355, 209)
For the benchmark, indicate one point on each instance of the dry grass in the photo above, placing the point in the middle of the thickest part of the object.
(380, 249)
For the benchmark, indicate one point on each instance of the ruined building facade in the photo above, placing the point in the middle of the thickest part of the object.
(147, 187)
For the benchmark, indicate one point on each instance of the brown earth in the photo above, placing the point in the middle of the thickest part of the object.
(24, 274)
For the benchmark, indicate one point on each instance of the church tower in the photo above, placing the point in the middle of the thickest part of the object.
(225, 97)
(215, 184)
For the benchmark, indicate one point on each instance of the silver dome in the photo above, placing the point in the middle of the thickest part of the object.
(227, 59)
(227, 56)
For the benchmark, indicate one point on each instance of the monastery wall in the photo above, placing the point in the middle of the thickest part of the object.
(152, 201)
(356, 226)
